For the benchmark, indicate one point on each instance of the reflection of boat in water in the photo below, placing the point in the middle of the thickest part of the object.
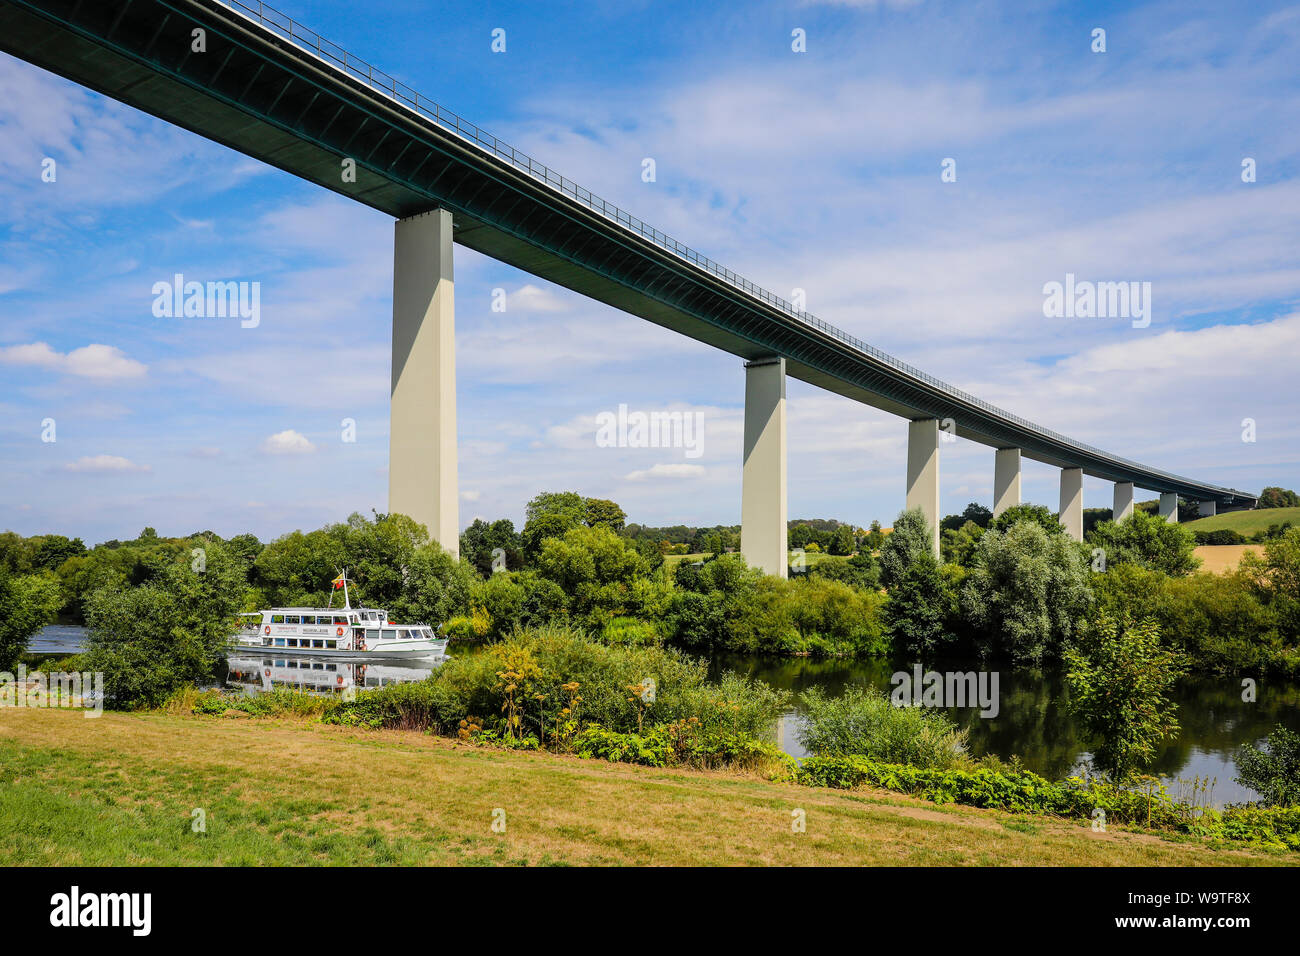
(337, 632)
(256, 673)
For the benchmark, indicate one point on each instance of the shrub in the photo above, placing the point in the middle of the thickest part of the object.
(910, 539)
(469, 687)
(1273, 773)
(1148, 541)
(918, 610)
(863, 722)
(1026, 591)
(172, 631)
(1118, 677)
(27, 603)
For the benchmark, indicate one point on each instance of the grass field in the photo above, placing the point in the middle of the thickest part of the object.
(1224, 558)
(1246, 522)
(123, 788)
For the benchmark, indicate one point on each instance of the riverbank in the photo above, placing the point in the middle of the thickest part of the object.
(123, 789)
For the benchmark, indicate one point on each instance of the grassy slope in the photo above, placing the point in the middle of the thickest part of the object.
(120, 790)
(1246, 522)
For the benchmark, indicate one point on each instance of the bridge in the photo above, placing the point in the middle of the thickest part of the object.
(244, 75)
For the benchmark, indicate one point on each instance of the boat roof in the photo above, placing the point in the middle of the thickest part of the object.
(320, 610)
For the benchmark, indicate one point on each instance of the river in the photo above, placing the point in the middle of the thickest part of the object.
(1031, 721)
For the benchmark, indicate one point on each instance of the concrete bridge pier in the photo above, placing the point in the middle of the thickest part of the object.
(1123, 501)
(1072, 502)
(1207, 509)
(923, 473)
(763, 472)
(1169, 506)
(422, 459)
(1006, 480)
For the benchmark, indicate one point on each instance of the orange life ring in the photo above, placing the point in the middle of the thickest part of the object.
(268, 629)
(340, 681)
(338, 632)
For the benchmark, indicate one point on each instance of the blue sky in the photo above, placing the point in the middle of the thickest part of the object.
(818, 171)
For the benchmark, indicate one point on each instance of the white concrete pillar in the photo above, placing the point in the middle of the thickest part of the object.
(1123, 501)
(763, 475)
(1207, 509)
(422, 412)
(1072, 502)
(923, 472)
(1006, 480)
(1169, 506)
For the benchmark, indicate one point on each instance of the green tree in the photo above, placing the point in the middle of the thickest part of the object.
(1026, 591)
(1118, 677)
(1275, 497)
(910, 539)
(842, 541)
(434, 588)
(958, 544)
(918, 607)
(1273, 773)
(595, 569)
(603, 513)
(1040, 515)
(1149, 542)
(27, 603)
(152, 639)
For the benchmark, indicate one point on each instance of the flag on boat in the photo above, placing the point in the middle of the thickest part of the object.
(338, 582)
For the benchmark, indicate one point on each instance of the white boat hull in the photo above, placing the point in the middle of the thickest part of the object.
(388, 650)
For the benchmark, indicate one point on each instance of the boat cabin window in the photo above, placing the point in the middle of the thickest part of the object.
(333, 645)
(277, 618)
(372, 634)
(291, 619)
(390, 634)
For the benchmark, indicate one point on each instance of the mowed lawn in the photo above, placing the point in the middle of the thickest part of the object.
(123, 789)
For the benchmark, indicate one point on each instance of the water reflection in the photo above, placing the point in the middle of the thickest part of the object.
(1032, 721)
(258, 673)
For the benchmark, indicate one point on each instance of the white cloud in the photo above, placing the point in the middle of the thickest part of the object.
(288, 442)
(667, 470)
(534, 298)
(104, 464)
(100, 363)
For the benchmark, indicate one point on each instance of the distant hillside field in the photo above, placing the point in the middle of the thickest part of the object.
(1224, 558)
(1247, 522)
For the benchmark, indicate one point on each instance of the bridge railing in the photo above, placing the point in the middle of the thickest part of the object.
(313, 43)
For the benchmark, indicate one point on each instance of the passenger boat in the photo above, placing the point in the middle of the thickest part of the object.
(338, 632)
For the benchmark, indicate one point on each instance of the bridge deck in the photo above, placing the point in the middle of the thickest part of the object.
(274, 90)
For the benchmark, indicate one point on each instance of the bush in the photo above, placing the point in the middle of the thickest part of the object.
(1019, 791)
(1026, 591)
(1223, 622)
(1118, 677)
(1273, 773)
(27, 603)
(568, 666)
(168, 633)
(919, 608)
(862, 722)
(1148, 541)
(683, 743)
(910, 538)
